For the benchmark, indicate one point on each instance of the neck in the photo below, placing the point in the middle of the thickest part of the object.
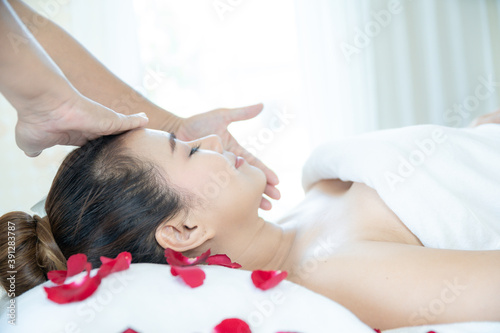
(268, 249)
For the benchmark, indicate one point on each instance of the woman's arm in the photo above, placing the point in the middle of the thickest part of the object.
(493, 117)
(50, 111)
(390, 285)
(83, 71)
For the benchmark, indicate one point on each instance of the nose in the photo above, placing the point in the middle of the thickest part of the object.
(211, 142)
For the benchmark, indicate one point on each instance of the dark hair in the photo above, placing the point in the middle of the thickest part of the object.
(103, 200)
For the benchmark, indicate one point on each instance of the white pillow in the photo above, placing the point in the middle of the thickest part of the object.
(147, 298)
(39, 207)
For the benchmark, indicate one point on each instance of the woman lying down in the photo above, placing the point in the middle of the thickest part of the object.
(401, 226)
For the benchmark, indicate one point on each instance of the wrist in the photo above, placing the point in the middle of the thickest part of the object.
(176, 124)
(161, 119)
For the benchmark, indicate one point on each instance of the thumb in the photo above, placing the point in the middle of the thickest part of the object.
(124, 123)
(136, 120)
(244, 113)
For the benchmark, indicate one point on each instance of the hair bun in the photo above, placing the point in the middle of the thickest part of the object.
(36, 251)
(48, 255)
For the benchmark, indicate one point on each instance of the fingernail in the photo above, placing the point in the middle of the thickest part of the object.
(143, 114)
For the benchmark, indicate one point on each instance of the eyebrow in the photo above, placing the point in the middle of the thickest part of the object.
(172, 141)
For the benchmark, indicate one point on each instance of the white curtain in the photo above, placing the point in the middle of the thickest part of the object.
(378, 64)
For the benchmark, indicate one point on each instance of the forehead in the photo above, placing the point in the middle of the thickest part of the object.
(148, 143)
(145, 135)
(145, 138)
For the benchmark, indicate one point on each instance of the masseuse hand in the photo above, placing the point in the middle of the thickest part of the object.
(50, 109)
(73, 122)
(216, 122)
(493, 117)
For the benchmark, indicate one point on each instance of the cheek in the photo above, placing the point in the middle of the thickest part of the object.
(247, 186)
(185, 178)
(220, 185)
(209, 182)
(256, 178)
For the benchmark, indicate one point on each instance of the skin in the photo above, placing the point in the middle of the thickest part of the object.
(365, 259)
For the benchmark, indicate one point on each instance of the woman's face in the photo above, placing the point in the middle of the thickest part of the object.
(225, 189)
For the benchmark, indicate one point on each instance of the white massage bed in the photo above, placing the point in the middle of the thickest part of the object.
(147, 298)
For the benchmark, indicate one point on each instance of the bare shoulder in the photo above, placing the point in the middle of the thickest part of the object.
(389, 285)
(330, 186)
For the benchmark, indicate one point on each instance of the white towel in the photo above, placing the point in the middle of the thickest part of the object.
(443, 183)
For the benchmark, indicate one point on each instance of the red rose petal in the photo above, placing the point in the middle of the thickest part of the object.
(120, 263)
(75, 291)
(222, 260)
(232, 325)
(377, 330)
(191, 275)
(178, 259)
(58, 277)
(129, 330)
(76, 264)
(267, 279)
(82, 289)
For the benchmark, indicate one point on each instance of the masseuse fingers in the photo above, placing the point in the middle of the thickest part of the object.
(243, 113)
(118, 123)
(271, 177)
(265, 204)
(232, 145)
(272, 192)
(88, 120)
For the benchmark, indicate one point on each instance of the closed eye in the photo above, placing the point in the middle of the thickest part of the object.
(194, 150)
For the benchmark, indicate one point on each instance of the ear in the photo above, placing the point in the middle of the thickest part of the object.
(182, 236)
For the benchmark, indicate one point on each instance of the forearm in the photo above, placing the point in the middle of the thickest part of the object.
(27, 75)
(88, 75)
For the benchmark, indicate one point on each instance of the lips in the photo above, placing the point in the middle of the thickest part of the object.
(239, 161)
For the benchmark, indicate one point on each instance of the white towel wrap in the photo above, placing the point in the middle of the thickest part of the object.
(442, 182)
